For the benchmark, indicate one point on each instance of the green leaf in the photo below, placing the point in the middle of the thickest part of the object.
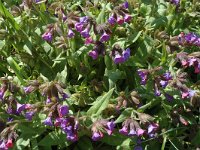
(4, 12)
(84, 143)
(100, 18)
(126, 113)
(53, 138)
(114, 140)
(196, 140)
(18, 71)
(101, 104)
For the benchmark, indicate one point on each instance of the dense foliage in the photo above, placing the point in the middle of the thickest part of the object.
(99, 74)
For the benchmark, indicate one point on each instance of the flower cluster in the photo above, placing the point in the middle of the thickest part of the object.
(120, 56)
(120, 15)
(190, 39)
(188, 60)
(101, 126)
(131, 127)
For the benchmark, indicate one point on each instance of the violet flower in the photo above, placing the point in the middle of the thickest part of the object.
(105, 37)
(63, 110)
(143, 75)
(70, 33)
(125, 4)
(94, 54)
(47, 36)
(85, 33)
(20, 107)
(48, 121)
(29, 115)
(97, 136)
(112, 20)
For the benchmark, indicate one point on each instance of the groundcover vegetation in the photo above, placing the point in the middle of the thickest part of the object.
(99, 74)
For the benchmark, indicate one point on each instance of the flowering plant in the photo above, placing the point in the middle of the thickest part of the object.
(102, 74)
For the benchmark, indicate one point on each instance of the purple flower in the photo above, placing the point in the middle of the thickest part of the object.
(176, 2)
(112, 20)
(127, 17)
(85, 33)
(65, 96)
(63, 110)
(126, 54)
(110, 126)
(138, 147)
(105, 37)
(118, 59)
(192, 61)
(152, 127)
(3, 145)
(47, 36)
(143, 75)
(163, 83)
(191, 93)
(70, 33)
(48, 121)
(20, 107)
(132, 132)
(94, 54)
(124, 130)
(29, 115)
(83, 19)
(157, 92)
(72, 137)
(79, 27)
(48, 100)
(96, 136)
(125, 4)
(169, 97)
(167, 76)
(27, 89)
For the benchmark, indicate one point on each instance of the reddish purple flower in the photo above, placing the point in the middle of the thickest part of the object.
(127, 17)
(89, 41)
(9, 143)
(124, 130)
(120, 20)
